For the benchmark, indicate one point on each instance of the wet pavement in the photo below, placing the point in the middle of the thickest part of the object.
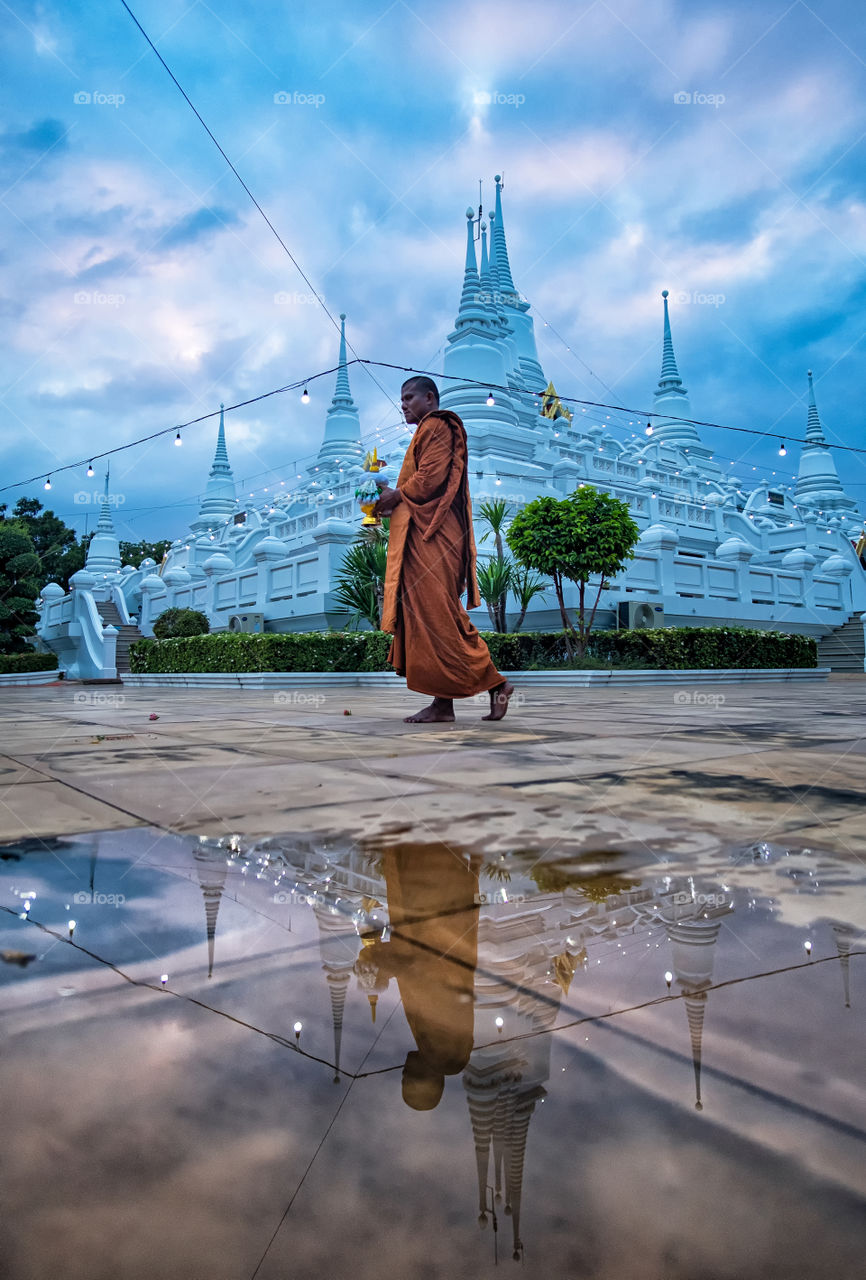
(581, 993)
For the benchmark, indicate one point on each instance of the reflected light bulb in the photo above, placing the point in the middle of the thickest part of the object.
(499, 1023)
(490, 399)
(808, 947)
(669, 977)
(71, 927)
(164, 979)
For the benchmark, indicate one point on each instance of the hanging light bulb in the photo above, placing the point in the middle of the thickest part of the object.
(782, 449)
(305, 398)
(649, 428)
(669, 977)
(90, 469)
(177, 440)
(490, 399)
(47, 484)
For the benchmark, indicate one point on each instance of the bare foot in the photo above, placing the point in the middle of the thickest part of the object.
(441, 710)
(499, 698)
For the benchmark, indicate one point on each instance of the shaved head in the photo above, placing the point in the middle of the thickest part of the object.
(422, 384)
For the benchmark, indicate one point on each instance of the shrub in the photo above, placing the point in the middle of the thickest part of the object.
(670, 648)
(180, 622)
(23, 663)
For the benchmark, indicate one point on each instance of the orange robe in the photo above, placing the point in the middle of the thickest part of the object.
(431, 561)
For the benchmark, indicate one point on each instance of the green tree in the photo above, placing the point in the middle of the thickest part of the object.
(134, 552)
(19, 586)
(360, 585)
(53, 541)
(586, 535)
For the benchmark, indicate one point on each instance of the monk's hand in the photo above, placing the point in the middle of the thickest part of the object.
(388, 500)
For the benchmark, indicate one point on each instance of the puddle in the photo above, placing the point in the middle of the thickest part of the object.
(313, 1055)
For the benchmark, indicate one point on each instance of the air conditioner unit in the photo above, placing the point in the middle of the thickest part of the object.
(636, 614)
(247, 622)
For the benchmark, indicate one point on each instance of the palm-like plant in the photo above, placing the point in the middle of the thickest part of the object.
(526, 585)
(360, 585)
(494, 579)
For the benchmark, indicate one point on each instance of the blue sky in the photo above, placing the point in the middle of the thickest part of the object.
(139, 282)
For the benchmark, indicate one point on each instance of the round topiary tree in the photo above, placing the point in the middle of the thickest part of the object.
(586, 535)
(180, 622)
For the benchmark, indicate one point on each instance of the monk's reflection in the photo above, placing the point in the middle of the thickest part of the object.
(432, 952)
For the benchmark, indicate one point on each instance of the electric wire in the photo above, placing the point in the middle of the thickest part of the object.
(225, 157)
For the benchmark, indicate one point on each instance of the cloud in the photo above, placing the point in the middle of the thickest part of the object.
(197, 226)
(44, 135)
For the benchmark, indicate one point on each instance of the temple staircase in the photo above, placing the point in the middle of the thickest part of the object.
(843, 649)
(128, 634)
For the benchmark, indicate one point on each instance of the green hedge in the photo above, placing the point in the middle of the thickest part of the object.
(241, 651)
(686, 648)
(23, 663)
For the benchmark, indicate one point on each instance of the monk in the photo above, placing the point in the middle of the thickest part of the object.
(432, 952)
(431, 561)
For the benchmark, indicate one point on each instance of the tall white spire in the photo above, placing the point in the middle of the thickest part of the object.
(342, 438)
(671, 396)
(218, 503)
(103, 554)
(818, 484)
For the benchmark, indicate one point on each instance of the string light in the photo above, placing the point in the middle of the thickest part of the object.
(782, 450)
(177, 440)
(305, 398)
(490, 399)
(90, 469)
(47, 484)
(649, 428)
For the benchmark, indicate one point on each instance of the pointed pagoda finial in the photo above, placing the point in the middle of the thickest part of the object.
(670, 375)
(342, 392)
(484, 279)
(500, 248)
(221, 457)
(814, 431)
(469, 296)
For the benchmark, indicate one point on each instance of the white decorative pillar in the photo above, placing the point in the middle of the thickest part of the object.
(739, 553)
(333, 538)
(662, 542)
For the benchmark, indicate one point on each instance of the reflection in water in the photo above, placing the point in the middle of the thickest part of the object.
(432, 896)
(488, 957)
(482, 971)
